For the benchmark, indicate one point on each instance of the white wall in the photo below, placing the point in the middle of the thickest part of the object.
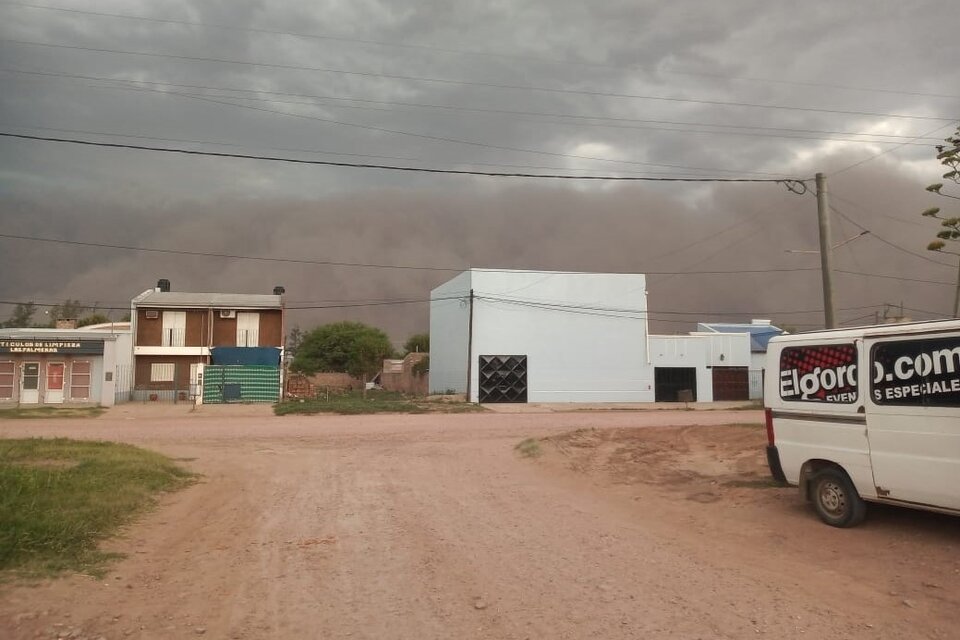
(727, 349)
(449, 324)
(685, 351)
(590, 353)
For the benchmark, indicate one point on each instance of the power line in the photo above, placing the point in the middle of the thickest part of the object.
(425, 136)
(586, 120)
(892, 149)
(104, 245)
(355, 165)
(299, 150)
(889, 277)
(451, 81)
(434, 48)
(885, 241)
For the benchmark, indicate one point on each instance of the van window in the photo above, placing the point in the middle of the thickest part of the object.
(819, 373)
(917, 372)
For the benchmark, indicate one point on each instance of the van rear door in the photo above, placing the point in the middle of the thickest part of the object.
(913, 418)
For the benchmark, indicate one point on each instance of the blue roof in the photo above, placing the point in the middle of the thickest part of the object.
(760, 334)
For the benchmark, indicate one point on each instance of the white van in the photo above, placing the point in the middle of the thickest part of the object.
(868, 414)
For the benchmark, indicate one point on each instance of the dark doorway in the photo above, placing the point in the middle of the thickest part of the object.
(669, 382)
(503, 378)
(731, 383)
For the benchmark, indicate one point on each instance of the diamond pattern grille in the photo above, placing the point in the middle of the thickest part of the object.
(503, 378)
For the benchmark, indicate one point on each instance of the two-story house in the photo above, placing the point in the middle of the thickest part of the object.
(175, 333)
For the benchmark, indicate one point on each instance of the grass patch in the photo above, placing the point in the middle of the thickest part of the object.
(60, 498)
(21, 413)
(377, 401)
(529, 448)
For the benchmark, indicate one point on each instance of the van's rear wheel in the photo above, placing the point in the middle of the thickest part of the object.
(836, 499)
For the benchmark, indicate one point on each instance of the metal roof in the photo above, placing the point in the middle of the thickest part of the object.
(760, 334)
(153, 298)
(59, 334)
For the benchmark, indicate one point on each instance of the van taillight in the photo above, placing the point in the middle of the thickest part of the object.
(768, 416)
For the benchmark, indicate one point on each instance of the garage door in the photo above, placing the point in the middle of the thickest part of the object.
(731, 383)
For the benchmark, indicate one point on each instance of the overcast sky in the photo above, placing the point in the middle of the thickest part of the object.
(746, 90)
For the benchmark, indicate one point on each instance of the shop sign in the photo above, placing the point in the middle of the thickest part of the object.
(88, 347)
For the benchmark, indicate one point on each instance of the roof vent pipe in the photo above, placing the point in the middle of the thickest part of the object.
(163, 285)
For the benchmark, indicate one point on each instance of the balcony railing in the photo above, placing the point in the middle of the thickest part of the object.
(173, 337)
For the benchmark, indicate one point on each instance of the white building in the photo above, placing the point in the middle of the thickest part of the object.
(760, 332)
(533, 336)
(541, 337)
(66, 366)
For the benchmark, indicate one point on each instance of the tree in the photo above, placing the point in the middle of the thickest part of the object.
(96, 318)
(22, 315)
(348, 347)
(69, 309)
(294, 340)
(417, 343)
(949, 156)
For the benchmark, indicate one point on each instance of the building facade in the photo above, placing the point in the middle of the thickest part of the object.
(61, 367)
(531, 336)
(176, 334)
(760, 333)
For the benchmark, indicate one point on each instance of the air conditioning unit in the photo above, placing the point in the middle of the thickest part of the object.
(228, 313)
(152, 314)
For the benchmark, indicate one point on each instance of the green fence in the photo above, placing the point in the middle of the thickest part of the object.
(240, 383)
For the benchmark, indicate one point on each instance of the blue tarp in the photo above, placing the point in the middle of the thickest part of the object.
(265, 356)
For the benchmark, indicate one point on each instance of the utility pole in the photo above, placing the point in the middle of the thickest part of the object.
(826, 252)
(956, 296)
(470, 350)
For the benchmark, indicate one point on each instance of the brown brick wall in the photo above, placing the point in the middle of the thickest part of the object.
(407, 381)
(196, 334)
(149, 330)
(271, 328)
(182, 372)
(224, 330)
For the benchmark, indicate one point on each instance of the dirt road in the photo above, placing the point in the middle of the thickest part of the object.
(432, 526)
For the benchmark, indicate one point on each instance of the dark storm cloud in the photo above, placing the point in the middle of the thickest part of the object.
(761, 53)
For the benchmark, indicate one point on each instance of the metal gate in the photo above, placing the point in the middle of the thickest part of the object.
(503, 378)
(670, 384)
(731, 383)
(240, 383)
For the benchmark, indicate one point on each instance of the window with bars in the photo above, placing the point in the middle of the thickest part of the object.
(80, 380)
(161, 372)
(7, 371)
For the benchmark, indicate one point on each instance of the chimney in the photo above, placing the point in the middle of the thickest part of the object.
(163, 285)
(279, 291)
(67, 323)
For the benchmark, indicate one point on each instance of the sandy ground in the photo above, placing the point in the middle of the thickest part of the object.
(630, 525)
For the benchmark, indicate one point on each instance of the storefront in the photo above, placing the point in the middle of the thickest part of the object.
(57, 367)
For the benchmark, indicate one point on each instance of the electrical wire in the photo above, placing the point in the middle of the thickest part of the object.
(894, 148)
(889, 277)
(437, 138)
(314, 97)
(885, 241)
(452, 81)
(491, 54)
(355, 165)
(581, 120)
(333, 263)
(311, 151)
